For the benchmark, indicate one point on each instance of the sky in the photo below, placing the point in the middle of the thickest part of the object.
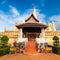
(13, 11)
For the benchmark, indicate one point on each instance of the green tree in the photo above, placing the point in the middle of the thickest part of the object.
(0, 42)
(56, 40)
(4, 39)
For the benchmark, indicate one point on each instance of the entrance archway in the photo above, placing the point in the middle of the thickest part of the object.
(31, 34)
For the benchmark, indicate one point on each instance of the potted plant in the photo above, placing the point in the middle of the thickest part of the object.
(12, 49)
(21, 46)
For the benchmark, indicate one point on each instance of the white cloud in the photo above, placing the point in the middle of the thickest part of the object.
(8, 20)
(14, 11)
(41, 17)
(56, 19)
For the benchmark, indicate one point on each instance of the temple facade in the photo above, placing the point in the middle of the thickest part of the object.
(32, 28)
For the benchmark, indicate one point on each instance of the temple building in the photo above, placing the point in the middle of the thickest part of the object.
(32, 28)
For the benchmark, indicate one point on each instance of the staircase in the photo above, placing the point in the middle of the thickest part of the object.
(30, 47)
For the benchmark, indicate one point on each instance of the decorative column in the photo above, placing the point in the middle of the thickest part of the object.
(43, 36)
(20, 32)
(43, 32)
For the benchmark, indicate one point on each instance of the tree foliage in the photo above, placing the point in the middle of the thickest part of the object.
(56, 40)
(4, 39)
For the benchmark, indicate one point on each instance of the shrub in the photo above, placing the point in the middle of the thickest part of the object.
(4, 39)
(4, 51)
(41, 44)
(4, 46)
(15, 44)
(21, 45)
(56, 40)
(56, 49)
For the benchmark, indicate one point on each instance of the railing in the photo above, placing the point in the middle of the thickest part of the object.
(22, 39)
(40, 40)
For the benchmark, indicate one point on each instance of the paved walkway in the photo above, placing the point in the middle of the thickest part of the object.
(38, 56)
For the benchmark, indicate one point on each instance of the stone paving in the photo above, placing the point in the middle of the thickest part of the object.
(37, 56)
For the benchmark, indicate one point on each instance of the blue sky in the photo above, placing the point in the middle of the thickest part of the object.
(12, 11)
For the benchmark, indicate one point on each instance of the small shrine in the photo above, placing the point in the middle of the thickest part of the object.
(31, 31)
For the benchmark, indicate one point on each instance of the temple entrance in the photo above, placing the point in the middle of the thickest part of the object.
(31, 46)
(31, 34)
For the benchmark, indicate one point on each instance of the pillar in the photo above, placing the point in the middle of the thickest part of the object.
(20, 32)
(43, 32)
(43, 36)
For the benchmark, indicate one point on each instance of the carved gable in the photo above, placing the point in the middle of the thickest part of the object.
(32, 19)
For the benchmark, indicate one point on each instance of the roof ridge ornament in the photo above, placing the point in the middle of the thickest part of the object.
(32, 17)
(53, 26)
(5, 28)
(34, 13)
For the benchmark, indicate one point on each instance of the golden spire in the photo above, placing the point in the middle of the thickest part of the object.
(53, 26)
(34, 13)
(5, 29)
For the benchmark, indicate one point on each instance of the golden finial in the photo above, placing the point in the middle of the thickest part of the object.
(53, 26)
(34, 13)
(5, 29)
